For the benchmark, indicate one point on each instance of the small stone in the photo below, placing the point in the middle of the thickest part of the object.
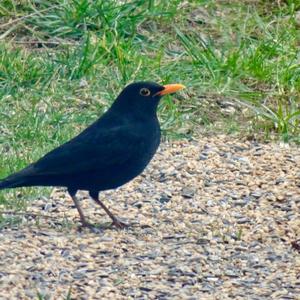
(203, 241)
(164, 198)
(203, 157)
(242, 202)
(188, 192)
(243, 221)
(210, 203)
(65, 253)
(138, 205)
(256, 194)
(47, 206)
(231, 273)
(79, 274)
(228, 111)
(213, 257)
(279, 180)
(243, 160)
(207, 288)
(212, 279)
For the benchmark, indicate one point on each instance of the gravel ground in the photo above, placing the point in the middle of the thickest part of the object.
(214, 218)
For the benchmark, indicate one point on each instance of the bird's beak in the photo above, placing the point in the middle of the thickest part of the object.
(170, 88)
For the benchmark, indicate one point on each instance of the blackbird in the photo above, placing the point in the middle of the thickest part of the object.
(110, 152)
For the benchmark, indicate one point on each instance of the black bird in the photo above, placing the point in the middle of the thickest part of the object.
(110, 152)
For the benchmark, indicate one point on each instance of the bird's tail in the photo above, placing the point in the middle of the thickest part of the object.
(7, 184)
(13, 181)
(17, 179)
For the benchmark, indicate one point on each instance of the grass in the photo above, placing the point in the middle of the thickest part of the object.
(63, 62)
(44, 296)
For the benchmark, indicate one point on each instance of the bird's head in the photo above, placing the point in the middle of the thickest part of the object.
(144, 96)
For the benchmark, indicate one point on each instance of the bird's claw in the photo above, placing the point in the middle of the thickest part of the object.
(86, 224)
(118, 224)
(90, 226)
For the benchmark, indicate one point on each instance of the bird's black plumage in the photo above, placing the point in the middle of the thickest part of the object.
(112, 151)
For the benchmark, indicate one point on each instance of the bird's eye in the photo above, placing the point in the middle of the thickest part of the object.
(145, 92)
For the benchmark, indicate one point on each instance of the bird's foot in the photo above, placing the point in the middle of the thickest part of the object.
(88, 225)
(95, 228)
(118, 224)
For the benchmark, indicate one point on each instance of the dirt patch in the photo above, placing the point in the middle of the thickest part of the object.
(214, 218)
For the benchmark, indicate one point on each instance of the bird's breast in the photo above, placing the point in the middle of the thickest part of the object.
(145, 149)
(141, 142)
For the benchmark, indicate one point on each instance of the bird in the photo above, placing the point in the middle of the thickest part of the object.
(107, 154)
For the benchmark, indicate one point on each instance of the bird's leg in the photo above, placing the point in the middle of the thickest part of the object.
(115, 221)
(83, 220)
(82, 217)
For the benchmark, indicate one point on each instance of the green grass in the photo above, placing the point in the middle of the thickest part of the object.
(44, 296)
(63, 62)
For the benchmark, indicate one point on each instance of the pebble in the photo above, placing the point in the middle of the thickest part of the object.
(164, 198)
(203, 156)
(188, 192)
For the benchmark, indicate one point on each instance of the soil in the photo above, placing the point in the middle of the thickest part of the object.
(213, 218)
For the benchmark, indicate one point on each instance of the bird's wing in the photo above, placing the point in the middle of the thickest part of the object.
(88, 152)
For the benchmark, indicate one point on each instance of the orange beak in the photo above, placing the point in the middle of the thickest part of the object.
(170, 88)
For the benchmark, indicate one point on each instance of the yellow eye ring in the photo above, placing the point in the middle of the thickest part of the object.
(145, 92)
